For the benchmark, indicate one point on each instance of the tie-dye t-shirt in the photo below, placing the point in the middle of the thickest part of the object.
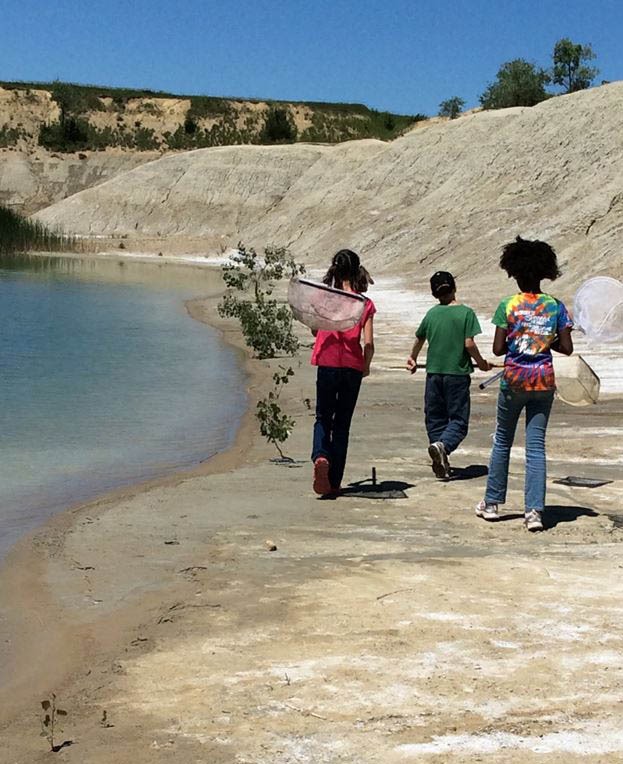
(532, 323)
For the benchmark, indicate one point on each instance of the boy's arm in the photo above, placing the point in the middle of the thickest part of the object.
(415, 351)
(472, 349)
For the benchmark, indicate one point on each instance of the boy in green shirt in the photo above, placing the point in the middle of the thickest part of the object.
(450, 329)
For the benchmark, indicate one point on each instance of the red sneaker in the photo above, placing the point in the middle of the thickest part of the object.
(322, 486)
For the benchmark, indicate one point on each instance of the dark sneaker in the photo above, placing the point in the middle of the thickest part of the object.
(440, 465)
(487, 511)
(322, 486)
(533, 521)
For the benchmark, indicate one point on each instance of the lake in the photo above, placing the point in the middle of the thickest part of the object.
(105, 381)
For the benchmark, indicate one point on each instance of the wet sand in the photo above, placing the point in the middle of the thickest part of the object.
(380, 630)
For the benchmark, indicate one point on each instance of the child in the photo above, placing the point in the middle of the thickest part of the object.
(450, 328)
(341, 366)
(529, 325)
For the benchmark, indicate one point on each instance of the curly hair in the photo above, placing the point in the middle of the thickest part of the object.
(529, 261)
(346, 266)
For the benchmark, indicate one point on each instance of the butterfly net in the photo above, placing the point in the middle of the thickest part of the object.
(598, 309)
(321, 307)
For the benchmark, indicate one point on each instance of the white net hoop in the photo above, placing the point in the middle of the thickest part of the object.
(321, 307)
(598, 309)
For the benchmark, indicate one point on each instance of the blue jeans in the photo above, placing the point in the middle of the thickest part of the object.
(446, 409)
(337, 390)
(538, 405)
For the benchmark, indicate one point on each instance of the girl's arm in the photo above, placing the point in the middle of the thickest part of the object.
(563, 343)
(499, 341)
(368, 346)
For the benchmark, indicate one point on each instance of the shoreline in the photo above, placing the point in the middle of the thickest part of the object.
(24, 554)
(172, 468)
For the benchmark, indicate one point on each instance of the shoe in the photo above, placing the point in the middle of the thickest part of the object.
(533, 521)
(440, 465)
(487, 511)
(322, 486)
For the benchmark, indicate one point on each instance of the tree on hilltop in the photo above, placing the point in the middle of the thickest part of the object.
(518, 83)
(278, 127)
(570, 68)
(451, 107)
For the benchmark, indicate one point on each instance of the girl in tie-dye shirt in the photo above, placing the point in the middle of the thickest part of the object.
(532, 322)
(529, 325)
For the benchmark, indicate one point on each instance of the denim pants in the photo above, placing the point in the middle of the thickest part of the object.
(446, 409)
(538, 405)
(337, 390)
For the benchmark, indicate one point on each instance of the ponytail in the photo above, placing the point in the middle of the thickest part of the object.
(346, 266)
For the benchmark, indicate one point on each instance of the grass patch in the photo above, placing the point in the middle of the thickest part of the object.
(19, 235)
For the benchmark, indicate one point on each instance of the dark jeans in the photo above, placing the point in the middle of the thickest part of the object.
(337, 390)
(446, 408)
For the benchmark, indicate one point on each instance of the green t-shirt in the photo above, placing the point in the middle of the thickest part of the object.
(446, 327)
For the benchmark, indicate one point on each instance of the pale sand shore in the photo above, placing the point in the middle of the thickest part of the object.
(379, 631)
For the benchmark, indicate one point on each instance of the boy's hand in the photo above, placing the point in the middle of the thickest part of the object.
(411, 364)
(366, 372)
(485, 365)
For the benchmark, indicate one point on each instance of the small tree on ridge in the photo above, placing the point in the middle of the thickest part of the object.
(518, 83)
(570, 70)
(451, 107)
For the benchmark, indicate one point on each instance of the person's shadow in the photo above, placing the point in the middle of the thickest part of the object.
(552, 515)
(555, 514)
(468, 473)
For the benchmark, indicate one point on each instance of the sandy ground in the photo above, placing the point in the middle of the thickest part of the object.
(379, 630)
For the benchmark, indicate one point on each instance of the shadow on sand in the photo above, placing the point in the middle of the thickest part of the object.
(469, 473)
(555, 514)
(365, 489)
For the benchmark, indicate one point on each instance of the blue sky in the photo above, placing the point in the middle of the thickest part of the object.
(400, 55)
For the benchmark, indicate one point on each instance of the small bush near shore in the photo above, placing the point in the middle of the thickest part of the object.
(266, 324)
(19, 234)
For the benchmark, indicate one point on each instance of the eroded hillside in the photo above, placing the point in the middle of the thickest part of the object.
(446, 193)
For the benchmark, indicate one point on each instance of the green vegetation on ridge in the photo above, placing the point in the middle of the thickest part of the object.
(94, 117)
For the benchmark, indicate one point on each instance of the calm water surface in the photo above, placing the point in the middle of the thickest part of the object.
(105, 380)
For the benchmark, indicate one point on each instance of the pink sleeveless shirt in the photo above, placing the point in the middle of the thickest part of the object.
(342, 349)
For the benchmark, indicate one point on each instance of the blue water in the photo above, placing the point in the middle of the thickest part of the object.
(105, 380)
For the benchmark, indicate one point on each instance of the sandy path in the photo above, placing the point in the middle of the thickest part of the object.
(379, 631)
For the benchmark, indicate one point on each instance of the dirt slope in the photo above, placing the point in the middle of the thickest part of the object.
(443, 194)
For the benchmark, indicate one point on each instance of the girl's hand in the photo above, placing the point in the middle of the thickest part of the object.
(366, 372)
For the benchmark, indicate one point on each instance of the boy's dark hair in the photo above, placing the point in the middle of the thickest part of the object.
(442, 283)
(529, 261)
(346, 266)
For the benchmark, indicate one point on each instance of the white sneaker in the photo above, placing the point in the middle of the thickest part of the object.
(533, 521)
(440, 465)
(487, 511)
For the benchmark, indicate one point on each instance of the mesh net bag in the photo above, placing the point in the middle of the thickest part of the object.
(598, 309)
(322, 307)
(576, 383)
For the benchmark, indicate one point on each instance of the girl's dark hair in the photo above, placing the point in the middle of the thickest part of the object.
(346, 266)
(529, 261)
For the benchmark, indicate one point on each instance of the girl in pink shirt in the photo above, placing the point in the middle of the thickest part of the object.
(342, 363)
